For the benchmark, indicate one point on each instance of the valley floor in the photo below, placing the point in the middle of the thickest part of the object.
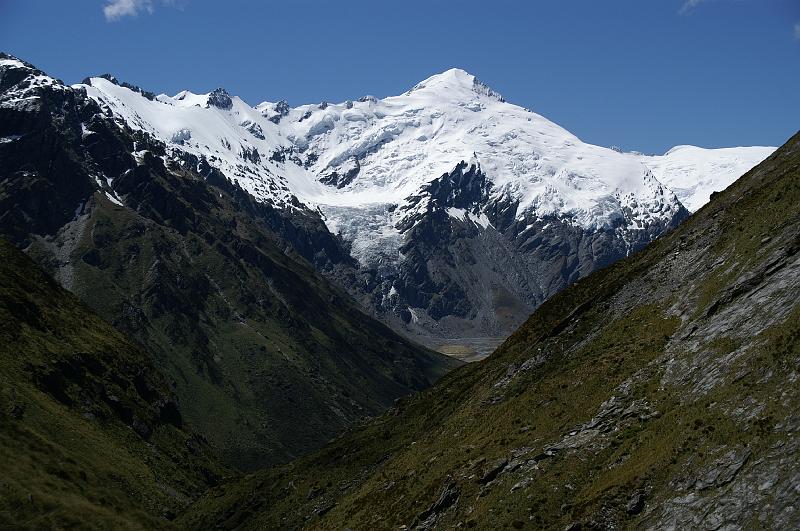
(467, 349)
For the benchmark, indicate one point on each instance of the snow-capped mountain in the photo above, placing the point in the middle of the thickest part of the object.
(463, 211)
(381, 152)
(360, 155)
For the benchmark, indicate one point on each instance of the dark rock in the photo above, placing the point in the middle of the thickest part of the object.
(324, 509)
(250, 154)
(340, 181)
(254, 129)
(635, 504)
(493, 471)
(447, 498)
(16, 410)
(314, 492)
(221, 99)
(281, 109)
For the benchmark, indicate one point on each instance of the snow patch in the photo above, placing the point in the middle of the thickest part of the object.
(460, 214)
(113, 199)
(12, 62)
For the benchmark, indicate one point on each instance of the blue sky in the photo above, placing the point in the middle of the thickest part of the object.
(639, 74)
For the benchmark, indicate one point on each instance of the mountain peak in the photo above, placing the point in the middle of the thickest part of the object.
(112, 79)
(220, 98)
(452, 75)
(455, 80)
(8, 60)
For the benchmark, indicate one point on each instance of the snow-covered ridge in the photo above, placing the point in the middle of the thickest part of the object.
(694, 173)
(357, 161)
(227, 132)
(27, 92)
(403, 142)
(453, 81)
(12, 62)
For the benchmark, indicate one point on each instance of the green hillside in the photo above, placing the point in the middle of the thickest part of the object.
(659, 392)
(90, 434)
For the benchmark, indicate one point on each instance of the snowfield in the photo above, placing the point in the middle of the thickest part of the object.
(695, 173)
(357, 161)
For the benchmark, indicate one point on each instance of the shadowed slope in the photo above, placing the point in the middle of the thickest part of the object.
(91, 434)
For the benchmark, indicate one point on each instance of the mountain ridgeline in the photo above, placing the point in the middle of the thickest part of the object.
(269, 359)
(660, 392)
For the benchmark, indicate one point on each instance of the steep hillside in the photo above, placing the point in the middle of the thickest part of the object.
(217, 286)
(660, 393)
(90, 433)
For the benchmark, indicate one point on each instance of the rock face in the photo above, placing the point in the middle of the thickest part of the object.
(220, 99)
(470, 264)
(659, 392)
(222, 289)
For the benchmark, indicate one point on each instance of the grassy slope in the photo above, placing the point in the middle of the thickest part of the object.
(89, 433)
(685, 355)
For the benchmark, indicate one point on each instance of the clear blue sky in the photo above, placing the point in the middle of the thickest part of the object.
(640, 74)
